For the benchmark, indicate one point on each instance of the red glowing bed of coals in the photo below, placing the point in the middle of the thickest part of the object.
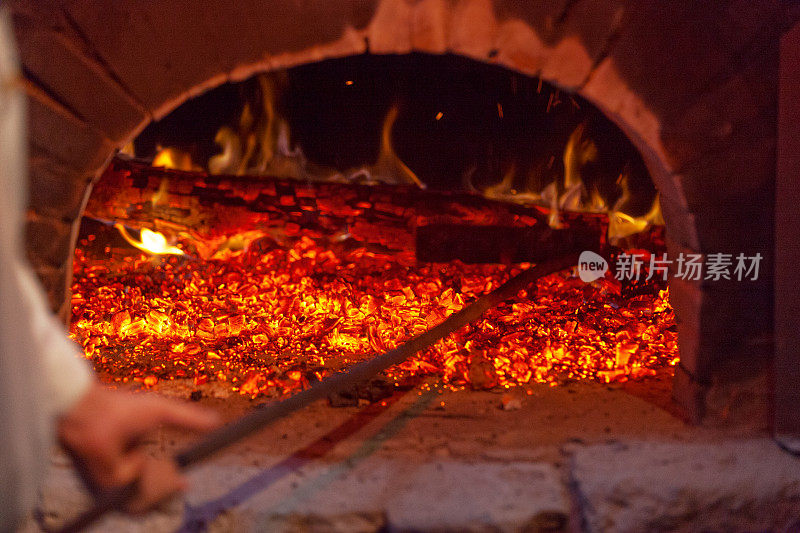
(272, 318)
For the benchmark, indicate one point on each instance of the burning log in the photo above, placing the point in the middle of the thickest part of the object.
(438, 243)
(206, 206)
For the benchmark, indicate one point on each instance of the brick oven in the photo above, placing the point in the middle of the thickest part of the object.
(698, 99)
(693, 86)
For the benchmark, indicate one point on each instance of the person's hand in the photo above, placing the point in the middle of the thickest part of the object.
(103, 433)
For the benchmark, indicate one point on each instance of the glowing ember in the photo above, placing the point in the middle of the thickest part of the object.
(272, 318)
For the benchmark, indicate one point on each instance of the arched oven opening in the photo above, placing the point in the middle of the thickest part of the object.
(275, 230)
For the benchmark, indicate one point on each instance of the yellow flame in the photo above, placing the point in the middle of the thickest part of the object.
(550, 197)
(625, 196)
(268, 139)
(161, 196)
(504, 187)
(152, 242)
(173, 158)
(389, 163)
(655, 216)
(621, 225)
(597, 204)
(230, 159)
(577, 152)
(260, 143)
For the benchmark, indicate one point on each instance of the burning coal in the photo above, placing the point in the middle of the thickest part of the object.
(264, 269)
(266, 316)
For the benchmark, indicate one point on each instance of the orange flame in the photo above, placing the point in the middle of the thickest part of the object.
(174, 158)
(152, 242)
(389, 165)
(260, 144)
(573, 197)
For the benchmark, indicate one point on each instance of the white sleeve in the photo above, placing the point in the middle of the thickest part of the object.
(66, 373)
(36, 338)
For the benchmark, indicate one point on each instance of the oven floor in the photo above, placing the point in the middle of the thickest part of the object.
(582, 456)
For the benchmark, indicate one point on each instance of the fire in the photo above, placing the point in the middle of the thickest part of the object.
(390, 168)
(578, 151)
(174, 159)
(267, 321)
(260, 144)
(574, 197)
(314, 283)
(151, 241)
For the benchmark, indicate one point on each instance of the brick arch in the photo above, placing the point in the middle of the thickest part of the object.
(691, 85)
